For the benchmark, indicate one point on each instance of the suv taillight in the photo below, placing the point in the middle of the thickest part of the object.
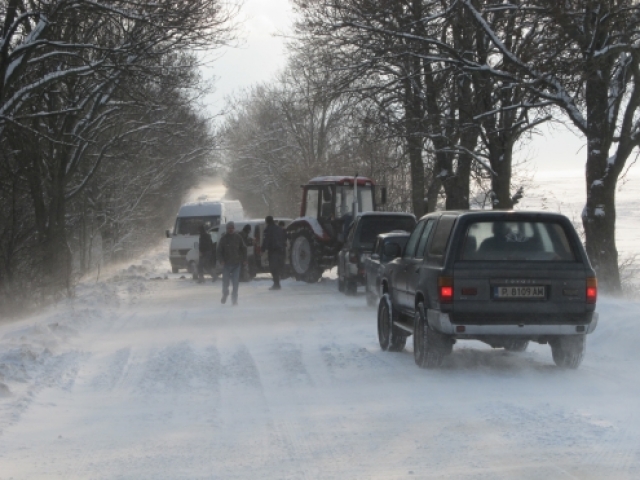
(445, 289)
(592, 289)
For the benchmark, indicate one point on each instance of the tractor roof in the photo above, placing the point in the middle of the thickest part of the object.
(340, 180)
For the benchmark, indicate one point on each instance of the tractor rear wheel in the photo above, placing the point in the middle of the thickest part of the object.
(303, 256)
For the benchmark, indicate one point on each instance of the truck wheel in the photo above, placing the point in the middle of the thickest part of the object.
(568, 351)
(303, 260)
(389, 336)
(429, 347)
(516, 345)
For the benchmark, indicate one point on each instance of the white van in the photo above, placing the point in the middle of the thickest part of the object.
(185, 232)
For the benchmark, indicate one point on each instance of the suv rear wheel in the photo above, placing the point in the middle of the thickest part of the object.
(390, 337)
(429, 347)
(568, 351)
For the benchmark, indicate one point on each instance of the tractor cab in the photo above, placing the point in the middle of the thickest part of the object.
(330, 200)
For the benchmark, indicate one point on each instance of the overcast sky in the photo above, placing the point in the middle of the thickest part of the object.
(262, 54)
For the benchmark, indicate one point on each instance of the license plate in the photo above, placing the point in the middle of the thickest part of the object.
(530, 291)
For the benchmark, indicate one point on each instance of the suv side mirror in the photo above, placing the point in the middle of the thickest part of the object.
(168, 233)
(391, 250)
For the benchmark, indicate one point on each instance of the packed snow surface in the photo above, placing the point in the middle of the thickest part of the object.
(145, 375)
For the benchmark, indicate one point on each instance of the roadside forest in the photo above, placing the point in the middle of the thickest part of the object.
(99, 128)
(433, 98)
(102, 127)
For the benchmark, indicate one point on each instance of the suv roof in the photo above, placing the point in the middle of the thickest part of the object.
(385, 214)
(498, 213)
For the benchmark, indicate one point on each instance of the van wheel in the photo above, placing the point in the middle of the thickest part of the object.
(568, 351)
(192, 268)
(390, 337)
(429, 347)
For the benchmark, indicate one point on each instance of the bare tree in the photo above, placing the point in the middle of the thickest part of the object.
(588, 66)
(81, 81)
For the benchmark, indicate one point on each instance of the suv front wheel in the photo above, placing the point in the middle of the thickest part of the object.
(390, 337)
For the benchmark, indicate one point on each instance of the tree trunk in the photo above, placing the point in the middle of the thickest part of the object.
(414, 148)
(599, 214)
(501, 182)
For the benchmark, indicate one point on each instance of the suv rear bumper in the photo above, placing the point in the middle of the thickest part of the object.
(441, 322)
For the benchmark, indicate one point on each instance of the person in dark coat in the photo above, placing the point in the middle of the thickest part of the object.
(205, 249)
(246, 230)
(232, 254)
(246, 271)
(274, 243)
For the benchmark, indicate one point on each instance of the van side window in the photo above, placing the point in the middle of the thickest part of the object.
(441, 236)
(420, 251)
(413, 240)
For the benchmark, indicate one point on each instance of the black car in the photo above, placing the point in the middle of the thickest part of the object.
(505, 278)
(361, 236)
(374, 265)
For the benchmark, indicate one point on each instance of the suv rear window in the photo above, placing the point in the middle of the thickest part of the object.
(370, 227)
(517, 240)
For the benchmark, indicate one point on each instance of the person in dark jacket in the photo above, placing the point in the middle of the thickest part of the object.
(232, 254)
(205, 249)
(246, 230)
(274, 243)
(246, 270)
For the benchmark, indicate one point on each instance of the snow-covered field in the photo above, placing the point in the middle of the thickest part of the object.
(145, 377)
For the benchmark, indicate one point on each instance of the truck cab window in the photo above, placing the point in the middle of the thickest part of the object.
(311, 209)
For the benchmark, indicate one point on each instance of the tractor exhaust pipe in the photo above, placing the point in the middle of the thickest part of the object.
(355, 195)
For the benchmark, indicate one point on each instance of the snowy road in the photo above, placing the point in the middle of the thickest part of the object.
(140, 378)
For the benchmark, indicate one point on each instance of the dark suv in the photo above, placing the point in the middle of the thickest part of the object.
(505, 278)
(360, 240)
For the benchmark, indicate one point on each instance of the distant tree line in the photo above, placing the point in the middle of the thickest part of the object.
(433, 97)
(100, 133)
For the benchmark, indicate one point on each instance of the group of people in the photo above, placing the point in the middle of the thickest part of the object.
(231, 252)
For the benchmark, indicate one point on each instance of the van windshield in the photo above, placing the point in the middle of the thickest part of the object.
(191, 225)
(513, 240)
(370, 227)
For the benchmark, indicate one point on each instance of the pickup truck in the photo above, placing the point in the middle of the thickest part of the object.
(374, 265)
(502, 277)
(359, 243)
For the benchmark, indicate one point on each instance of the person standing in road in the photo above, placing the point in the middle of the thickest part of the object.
(275, 243)
(245, 271)
(205, 249)
(244, 233)
(232, 254)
